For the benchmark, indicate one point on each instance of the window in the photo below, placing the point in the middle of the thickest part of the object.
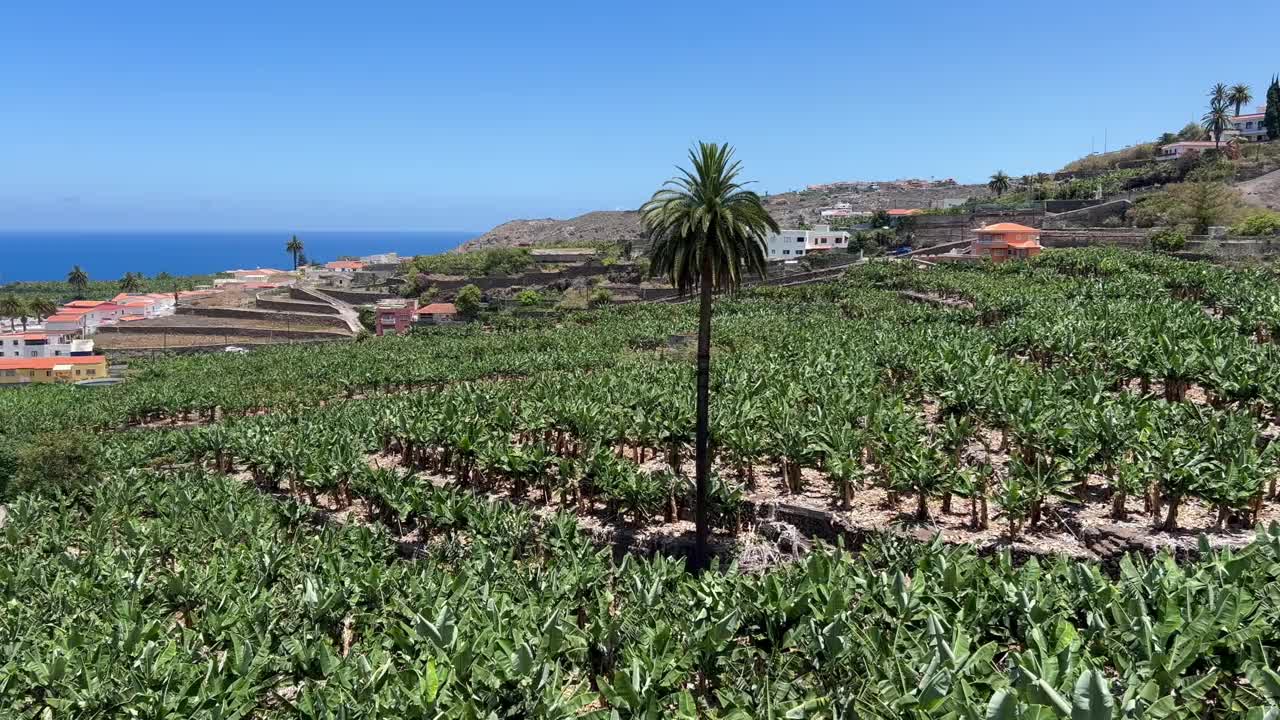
(840, 241)
(800, 239)
(773, 252)
(1249, 125)
(786, 252)
(799, 252)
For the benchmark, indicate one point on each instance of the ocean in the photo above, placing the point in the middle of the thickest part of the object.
(49, 255)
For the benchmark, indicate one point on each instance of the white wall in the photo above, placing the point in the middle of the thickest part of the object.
(791, 244)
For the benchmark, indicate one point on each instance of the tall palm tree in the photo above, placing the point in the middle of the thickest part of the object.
(1219, 93)
(1239, 95)
(78, 279)
(130, 282)
(41, 308)
(999, 183)
(294, 247)
(12, 307)
(1217, 120)
(706, 228)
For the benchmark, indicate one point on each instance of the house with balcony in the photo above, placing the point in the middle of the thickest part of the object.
(394, 317)
(43, 344)
(1006, 241)
(1250, 127)
(791, 244)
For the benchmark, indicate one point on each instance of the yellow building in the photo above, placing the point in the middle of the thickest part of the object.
(20, 371)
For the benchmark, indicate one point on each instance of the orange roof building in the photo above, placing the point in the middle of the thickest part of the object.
(344, 265)
(21, 371)
(1007, 241)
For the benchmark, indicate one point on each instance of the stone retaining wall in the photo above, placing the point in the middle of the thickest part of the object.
(274, 315)
(294, 306)
(354, 297)
(228, 329)
(1091, 216)
(938, 229)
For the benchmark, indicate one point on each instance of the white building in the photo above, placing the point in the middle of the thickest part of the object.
(1173, 151)
(42, 345)
(381, 259)
(790, 244)
(1250, 125)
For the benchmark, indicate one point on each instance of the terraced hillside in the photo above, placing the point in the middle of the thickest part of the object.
(488, 523)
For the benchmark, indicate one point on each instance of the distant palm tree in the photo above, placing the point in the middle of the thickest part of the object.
(1217, 120)
(12, 307)
(705, 229)
(41, 308)
(294, 247)
(999, 183)
(1239, 95)
(1219, 93)
(131, 282)
(78, 280)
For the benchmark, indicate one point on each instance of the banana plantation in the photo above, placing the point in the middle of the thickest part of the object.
(399, 527)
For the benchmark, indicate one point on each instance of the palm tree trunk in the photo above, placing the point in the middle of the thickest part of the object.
(702, 454)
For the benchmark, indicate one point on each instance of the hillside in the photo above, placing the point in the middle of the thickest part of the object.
(620, 225)
(789, 209)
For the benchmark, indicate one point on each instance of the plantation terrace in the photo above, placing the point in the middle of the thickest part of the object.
(1053, 497)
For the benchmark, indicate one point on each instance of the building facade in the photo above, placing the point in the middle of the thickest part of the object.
(394, 317)
(437, 314)
(42, 344)
(1006, 241)
(1250, 126)
(1173, 151)
(24, 371)
(791, 244)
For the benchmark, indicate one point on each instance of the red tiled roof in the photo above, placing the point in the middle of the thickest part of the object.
(1023, 244)
(49, 363)
(344, 265)
(1007, 228)
(131, 318)
(901, 211)
(438, 309)
(85, 303)
(65, 317)
(25, 336)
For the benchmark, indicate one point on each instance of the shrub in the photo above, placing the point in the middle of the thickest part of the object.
(477, 263)
(468, 301)
(59, 462)
(1167, 240)
(599, 296)
(529, 298)
(1265, 222)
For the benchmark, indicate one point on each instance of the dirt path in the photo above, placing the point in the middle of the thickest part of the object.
(1262, 191)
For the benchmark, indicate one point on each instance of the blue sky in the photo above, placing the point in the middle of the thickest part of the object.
(431, 115)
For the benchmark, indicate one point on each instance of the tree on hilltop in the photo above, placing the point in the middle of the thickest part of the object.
(1239, 96)
(999, 183)
(706, 228)
(1217, 120)
(1271, 119)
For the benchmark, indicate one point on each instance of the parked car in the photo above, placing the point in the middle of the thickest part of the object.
(235, 349)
